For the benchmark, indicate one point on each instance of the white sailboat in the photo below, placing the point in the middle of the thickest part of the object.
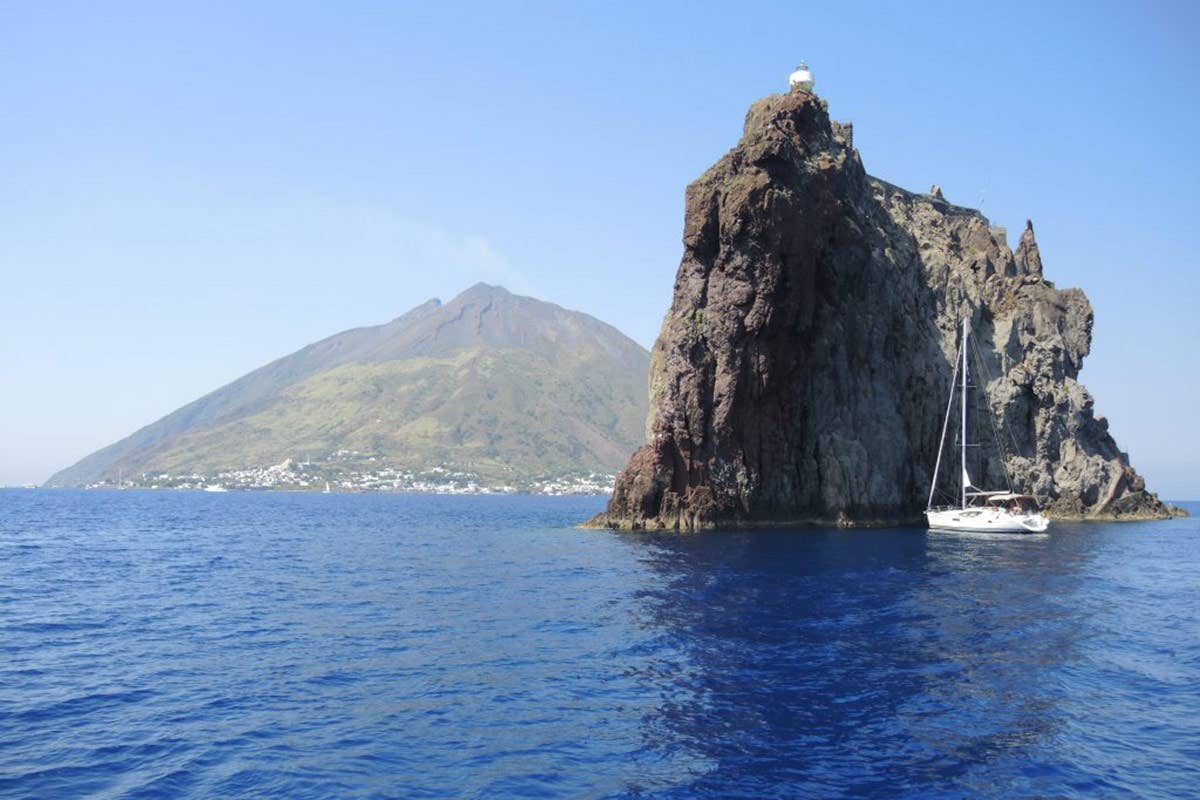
(979, 510)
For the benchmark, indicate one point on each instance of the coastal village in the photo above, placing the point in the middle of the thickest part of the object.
(350, 471)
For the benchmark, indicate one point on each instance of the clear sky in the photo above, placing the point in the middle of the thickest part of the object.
(190, 190)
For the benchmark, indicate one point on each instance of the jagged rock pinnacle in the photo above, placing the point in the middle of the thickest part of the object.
(1027, 256)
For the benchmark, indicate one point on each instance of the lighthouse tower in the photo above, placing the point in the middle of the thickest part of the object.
(801, 79)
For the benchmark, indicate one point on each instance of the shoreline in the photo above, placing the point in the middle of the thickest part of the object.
(601, 521)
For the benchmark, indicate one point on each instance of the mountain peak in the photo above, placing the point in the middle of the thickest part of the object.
(486, 315)
(482, 291)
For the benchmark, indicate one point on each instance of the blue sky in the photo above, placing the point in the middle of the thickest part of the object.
(192, 190)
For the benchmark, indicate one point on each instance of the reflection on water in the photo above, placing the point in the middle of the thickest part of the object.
(869, 663)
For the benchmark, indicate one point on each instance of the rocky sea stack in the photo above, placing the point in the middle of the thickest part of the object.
(802, 372)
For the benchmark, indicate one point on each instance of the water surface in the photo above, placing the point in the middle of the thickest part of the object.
(170, 644)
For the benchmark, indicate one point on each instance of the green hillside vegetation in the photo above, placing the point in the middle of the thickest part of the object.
(507, 387)
(496, 413)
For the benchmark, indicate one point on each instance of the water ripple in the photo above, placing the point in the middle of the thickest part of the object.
(181, 645)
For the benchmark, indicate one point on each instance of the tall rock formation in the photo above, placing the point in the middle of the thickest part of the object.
(801, 374)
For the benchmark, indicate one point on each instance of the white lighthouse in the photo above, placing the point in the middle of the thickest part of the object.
(802, 78)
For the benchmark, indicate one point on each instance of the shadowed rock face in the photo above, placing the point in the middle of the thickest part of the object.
(801, 374)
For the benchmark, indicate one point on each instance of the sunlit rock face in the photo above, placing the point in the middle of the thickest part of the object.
(802, 371)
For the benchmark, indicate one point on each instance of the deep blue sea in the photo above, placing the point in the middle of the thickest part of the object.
(180, 645)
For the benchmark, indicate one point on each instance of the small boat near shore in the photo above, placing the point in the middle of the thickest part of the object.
(1002, 513)
(978, 510)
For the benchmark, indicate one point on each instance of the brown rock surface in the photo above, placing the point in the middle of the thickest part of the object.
(802, 371)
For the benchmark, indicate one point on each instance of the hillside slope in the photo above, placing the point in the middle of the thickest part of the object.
(505, 386)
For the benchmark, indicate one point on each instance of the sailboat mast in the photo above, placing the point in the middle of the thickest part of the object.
(966, 333)
(937, 463)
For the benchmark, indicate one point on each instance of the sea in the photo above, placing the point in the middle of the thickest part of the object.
(243, 645)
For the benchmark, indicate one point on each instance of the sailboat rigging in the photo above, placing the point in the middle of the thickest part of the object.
(998, 511)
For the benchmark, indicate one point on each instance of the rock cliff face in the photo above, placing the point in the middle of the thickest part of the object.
(801, 374)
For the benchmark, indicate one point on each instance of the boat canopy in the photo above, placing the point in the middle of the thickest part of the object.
(1004, 497)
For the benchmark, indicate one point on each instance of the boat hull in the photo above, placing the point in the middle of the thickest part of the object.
(985, 520)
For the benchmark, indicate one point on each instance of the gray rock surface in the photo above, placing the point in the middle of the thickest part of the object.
(801, 374)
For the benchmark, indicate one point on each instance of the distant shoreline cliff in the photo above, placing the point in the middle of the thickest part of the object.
(801, 373)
